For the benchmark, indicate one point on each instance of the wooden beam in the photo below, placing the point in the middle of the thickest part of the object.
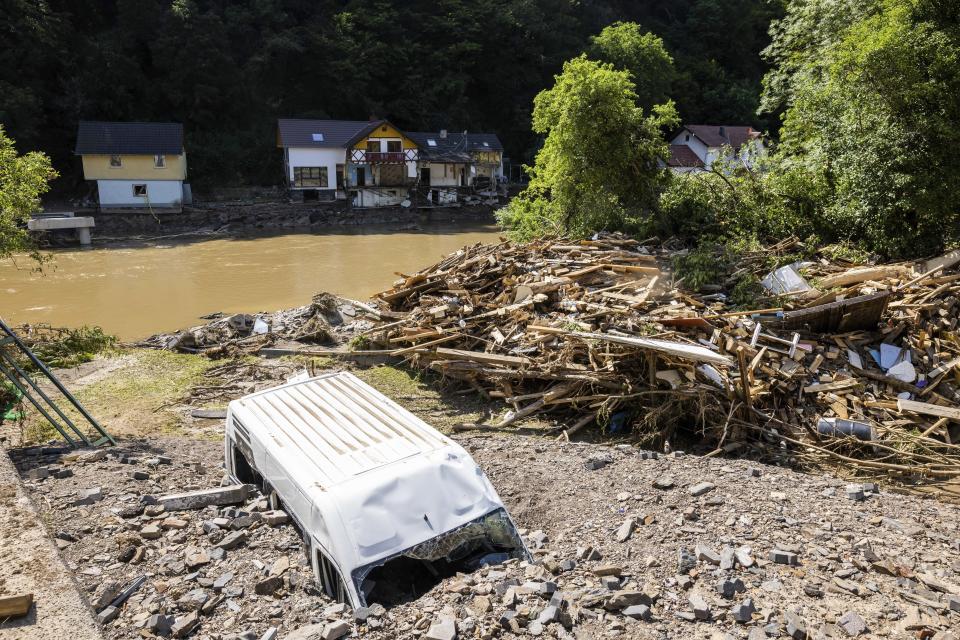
(928, 409)
(15, 606)
(479, 356)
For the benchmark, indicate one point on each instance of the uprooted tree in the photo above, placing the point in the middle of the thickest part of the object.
(599, 164)
(23, 179)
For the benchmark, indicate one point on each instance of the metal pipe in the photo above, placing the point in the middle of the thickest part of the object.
(36, 404)
(36, 361)
(23, 374)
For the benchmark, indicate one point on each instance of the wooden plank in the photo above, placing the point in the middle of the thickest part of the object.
(862, 274)
(832, 386)
(15, 606)
(928, 409)
(479, 356)
(446, 338)
(630, 268)
(945, 261)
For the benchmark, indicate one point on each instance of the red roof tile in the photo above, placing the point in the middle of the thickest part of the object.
(683, 156)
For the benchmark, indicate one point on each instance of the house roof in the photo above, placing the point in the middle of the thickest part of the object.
(683, 156)
(714, 135)
(110, 138)
(322, 133)
(455, 147)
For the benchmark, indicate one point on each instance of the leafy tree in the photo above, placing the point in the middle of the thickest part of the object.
(643, 55)
(598, 167)
(872, 91)
(22, 180)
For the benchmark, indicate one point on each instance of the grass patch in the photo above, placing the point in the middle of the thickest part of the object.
(133, 399)
(395, 382)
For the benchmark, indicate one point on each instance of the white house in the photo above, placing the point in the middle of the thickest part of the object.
(370, 161)
(137, 165)
(711, 142)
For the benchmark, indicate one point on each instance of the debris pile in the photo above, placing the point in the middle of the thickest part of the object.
(851, 364)
(242, 333)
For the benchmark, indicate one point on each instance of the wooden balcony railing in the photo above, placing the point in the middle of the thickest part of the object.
(386, 157)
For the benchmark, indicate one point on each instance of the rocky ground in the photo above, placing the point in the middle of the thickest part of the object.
(626, 544)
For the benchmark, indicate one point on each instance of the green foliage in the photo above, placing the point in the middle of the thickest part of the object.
(642, 55)
(872, 91)
(701, 266)
(61, 348)
(597, 168)
(747, 291)
(22, 180)
(227, 70)
(359, 343)
(765, 205)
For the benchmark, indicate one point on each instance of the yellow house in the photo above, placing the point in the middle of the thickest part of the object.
(135, 164)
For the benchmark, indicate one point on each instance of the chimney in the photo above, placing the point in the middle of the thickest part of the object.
(443, 134)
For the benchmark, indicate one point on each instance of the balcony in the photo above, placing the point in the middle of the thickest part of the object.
(386, 157)
(359, 156)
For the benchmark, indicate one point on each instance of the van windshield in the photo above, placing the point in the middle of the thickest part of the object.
(490, 539)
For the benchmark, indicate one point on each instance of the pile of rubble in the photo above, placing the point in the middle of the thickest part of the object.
(861, 367)
(242, 333)
(626, 543)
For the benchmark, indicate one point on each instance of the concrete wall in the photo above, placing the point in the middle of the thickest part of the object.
(133, 167)
(232, 218)
(437, 177)
(160, 194)
(315, 157)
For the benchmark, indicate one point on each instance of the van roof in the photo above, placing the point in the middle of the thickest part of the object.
(338, 425)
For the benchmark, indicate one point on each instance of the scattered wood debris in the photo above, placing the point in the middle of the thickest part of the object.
(596, 331)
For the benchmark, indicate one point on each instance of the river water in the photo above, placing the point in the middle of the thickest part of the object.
(133, 291)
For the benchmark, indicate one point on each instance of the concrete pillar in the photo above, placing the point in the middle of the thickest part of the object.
(83, 235)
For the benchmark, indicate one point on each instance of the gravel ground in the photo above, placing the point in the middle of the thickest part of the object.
(29, 564)
(692, 544)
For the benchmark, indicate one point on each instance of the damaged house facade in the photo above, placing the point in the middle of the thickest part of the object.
(375, 164)
(458, 160)
(136, 165)
(697, 146)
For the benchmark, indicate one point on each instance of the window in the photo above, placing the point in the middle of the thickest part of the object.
(339, 176)
(330, 579)
(115, 161)
(317, 137)
(310, 177)
(159, 161)
(431, 142)
(393, 146)
(139, 191)
(486, 144)
(373, 145)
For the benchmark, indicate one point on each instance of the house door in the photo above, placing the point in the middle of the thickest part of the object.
(361, 176)
(425, 175)
(463, 177)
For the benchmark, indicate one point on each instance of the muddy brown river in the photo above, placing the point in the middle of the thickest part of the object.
(133, 291)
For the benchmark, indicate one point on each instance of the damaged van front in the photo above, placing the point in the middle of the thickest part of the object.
(387, 504)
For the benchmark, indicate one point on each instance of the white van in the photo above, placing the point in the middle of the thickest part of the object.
(385, 503)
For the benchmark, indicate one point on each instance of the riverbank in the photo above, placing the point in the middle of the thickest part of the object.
(244, 218)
